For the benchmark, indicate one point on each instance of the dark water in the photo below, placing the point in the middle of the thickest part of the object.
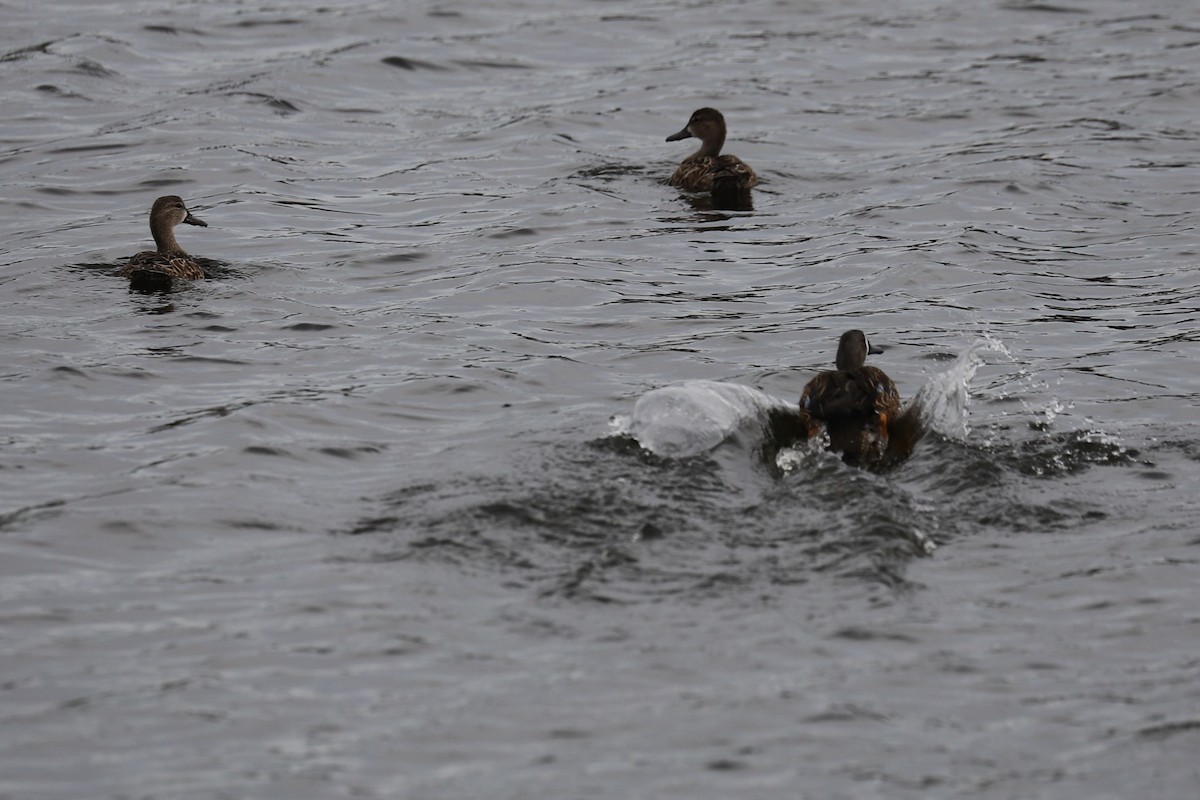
(355, 517)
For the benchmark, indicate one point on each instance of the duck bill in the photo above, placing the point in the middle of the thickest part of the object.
(874, 350)
(683, 134)
(191, 220)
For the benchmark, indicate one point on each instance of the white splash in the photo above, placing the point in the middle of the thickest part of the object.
(804, 455)
(945, 398)
(693, 417)
(690, 418)
(1052, 410)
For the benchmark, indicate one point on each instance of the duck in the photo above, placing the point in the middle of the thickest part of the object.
(857, 406)
(154, 269)
(726, 177)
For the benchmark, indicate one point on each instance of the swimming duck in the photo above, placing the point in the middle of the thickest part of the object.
(153, 269)
(728, 178)
(856, 405)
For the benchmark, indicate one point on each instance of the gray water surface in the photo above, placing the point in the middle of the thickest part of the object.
(360, 515)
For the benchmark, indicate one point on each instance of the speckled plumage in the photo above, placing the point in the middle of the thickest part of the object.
(151, 268)
(853, 404)
(706, 170)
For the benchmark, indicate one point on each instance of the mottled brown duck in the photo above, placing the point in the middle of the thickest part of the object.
(858, 407)
(726, 177)
(154, 269)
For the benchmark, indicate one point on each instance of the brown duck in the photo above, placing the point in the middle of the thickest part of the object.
(154, 269)
(858, 407)
(728, 178)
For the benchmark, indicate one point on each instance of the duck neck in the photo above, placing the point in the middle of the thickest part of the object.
(710, 148)
(164, 240)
